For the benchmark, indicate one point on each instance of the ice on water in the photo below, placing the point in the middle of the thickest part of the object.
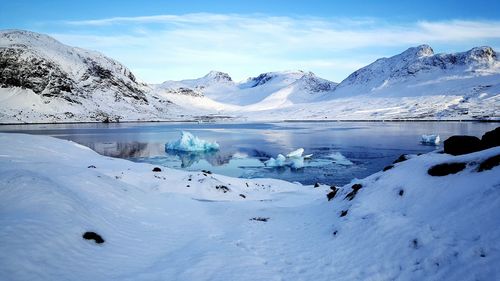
(430, 139)
(340, 159)
(294, 159)
(189, 142)
(280, 161)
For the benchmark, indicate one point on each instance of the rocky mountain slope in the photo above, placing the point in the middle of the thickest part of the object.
(419, 72)
(42, 79)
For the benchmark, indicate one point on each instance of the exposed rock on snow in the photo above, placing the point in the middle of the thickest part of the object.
(90, 235)
(445, 169)
(188, 142)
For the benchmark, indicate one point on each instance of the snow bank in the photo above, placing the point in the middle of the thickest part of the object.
(294, 159)
(425, 227)
(430, 139)
(188, 142)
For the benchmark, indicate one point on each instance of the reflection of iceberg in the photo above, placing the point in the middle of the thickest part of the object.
(188, 142)
(340, 159)
(293, 159)
(189, 158)
(430, 139)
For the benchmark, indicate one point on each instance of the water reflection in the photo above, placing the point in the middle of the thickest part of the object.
(132, 149)
(244, 147)
(188, 158)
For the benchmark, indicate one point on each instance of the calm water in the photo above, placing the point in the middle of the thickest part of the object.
(370, 146)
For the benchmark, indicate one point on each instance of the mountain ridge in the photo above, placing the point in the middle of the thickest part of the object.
(43, 80)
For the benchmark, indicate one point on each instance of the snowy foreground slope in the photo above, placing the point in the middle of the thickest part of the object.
(175, 225)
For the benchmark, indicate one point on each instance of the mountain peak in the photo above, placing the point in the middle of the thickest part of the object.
(218, 76)
(419, 51)
(481, 54)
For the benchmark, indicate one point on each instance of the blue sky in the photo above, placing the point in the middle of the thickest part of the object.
(163, 40)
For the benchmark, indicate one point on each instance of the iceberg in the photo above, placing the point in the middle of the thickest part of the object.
(188, 142)
(296, 153)
(278, 162)
(294, 159)
(297, 162)
(430, 139)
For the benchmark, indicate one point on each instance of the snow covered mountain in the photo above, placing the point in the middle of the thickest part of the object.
(276, 88)
(42, 79)
(419, 72)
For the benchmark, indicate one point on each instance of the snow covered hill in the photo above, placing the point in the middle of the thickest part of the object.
(176, 225)
(43, 80)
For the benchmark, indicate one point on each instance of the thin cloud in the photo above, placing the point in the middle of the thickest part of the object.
(244, 44)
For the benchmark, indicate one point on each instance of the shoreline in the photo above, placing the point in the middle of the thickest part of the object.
(256, 122)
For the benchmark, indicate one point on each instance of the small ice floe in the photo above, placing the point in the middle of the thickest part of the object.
(294, 159)
(430, 139)
(240, 155)
(340, 159)
(188, 142)
(278, 162)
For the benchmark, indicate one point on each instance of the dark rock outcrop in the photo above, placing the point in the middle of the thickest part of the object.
(458, 145)
(401, 158)
(491, 139)
(489, 163)
(445, 169)
(354, 191)
(90, 235)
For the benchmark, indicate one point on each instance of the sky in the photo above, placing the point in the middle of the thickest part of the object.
(173, 40)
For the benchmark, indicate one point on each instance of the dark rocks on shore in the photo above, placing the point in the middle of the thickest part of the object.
(401, 158)
(491, 139)
(458, 145)
(388, 168)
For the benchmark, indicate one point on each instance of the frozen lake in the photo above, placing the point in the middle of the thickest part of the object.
(367, 146)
